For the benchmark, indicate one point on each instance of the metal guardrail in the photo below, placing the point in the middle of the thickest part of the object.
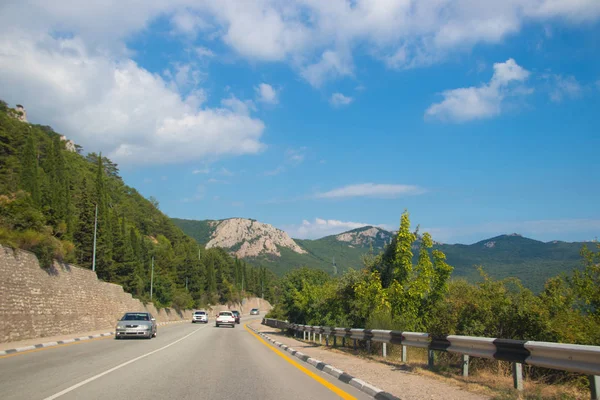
(565, 357)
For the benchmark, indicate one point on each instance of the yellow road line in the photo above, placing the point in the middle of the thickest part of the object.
(54, 347)
(316, 377)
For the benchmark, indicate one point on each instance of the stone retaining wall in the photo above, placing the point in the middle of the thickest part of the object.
(36, 302)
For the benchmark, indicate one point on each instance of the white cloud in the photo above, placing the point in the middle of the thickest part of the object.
(266, 94)
(485, 101)
(339, 100)
(324, 227)
(331, 65)
(214, 180)
(188, 23)
(201, 171)
(295, 156)
(317, 38)
(203, 52)
(548, 229)
(371, 190)
(112, 105)
(562, 87)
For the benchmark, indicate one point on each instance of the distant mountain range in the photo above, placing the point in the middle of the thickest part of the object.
(502, 256)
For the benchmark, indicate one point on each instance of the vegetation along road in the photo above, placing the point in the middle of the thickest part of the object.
(185, 361)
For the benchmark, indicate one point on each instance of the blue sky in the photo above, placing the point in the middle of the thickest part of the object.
(480, 118)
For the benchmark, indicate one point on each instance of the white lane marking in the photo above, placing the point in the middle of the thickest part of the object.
(93, 378)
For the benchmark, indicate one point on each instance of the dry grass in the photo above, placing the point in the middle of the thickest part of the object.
(488, 377)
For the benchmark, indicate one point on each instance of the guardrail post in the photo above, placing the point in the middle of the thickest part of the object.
(465, 365)
(326, 340)
(355, 344)
(368, 347)
(430, 358)
(595, 387)
(518, 376)
(334, 341)
(320, 338)
(404, 355)
(303, 335)
(343, 342)
(384, 350)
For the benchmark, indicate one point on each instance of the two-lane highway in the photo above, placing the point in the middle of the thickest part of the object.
(185, 361)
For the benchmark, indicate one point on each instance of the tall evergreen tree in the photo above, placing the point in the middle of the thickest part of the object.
(30, 174)
(84, 234)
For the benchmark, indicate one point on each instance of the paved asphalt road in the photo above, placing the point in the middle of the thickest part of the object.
(185, 361)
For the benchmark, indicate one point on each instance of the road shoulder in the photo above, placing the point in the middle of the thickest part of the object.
(387, 377)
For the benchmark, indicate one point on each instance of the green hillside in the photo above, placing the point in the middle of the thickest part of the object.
(48, 199)
(199, 230)
(532, 261)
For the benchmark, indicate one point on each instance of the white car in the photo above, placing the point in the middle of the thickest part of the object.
(225, 318)
(200, 316)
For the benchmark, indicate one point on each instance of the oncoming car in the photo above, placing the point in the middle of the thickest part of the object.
(225, 318)
(200, 316)
(136, 324)
(254, 311)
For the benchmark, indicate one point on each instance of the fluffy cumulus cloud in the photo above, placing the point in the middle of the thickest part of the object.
(477, 102)
(317, 38)
(339, 100)
(113, 105)
(319, 228)
(371, 190)
(265, 93)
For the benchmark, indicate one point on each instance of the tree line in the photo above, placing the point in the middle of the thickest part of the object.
(49, 199)
(397, 291)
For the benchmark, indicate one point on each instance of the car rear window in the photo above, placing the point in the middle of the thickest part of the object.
(225, 313)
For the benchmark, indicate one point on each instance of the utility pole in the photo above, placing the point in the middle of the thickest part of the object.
(152, 279)
(95, 229)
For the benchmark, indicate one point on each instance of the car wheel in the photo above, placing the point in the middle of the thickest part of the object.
(155, 333)
(217, 325)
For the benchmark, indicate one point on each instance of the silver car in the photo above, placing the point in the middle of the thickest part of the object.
(136, 324)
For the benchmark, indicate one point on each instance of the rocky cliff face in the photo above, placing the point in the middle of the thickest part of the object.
(248, 238)
(366, 236)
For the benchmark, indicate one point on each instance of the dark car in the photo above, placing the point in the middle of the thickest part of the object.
(236, 315)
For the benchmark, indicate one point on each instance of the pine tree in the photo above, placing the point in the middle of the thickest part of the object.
(30, 175)
(84, 234)
(104, 246)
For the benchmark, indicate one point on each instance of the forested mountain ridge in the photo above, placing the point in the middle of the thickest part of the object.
(511, 255)
(48, 199)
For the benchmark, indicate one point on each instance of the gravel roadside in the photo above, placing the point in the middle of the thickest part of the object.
(390, 378)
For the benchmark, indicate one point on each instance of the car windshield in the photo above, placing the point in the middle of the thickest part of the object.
(200, 313)
(135, 317)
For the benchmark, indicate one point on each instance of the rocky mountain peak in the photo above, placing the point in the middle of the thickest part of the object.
(365, 236)
(249, 238)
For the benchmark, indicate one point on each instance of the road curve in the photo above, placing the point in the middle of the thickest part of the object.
(185, 361)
